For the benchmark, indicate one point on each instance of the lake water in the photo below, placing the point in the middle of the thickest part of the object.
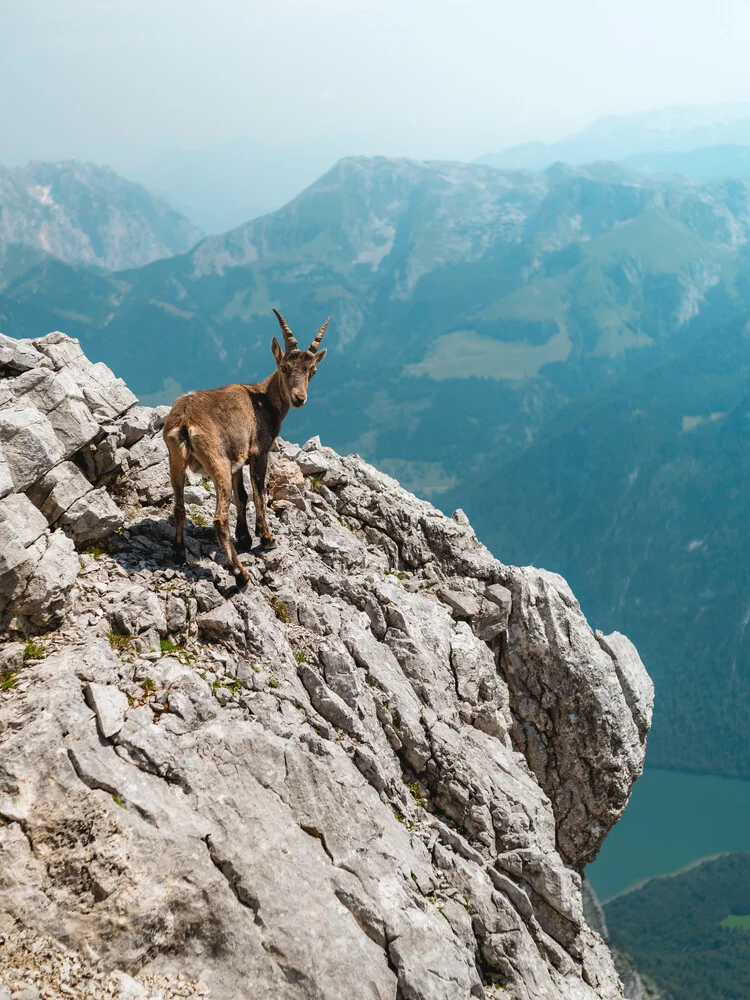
(672, 820)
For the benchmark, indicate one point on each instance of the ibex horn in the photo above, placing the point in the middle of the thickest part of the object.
(318, 337)
(290, 342)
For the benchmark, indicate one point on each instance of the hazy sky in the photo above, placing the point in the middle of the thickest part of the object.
(118, 80)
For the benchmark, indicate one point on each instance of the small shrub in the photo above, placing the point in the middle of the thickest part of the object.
(207, 484)
(95, 551)
(148, 685)
(315, 483)
(7, 681)
(167, 647)
(33, 651)
(273, 683)
(416, 791)
(300, 656)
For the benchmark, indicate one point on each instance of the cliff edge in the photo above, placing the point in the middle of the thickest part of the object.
(378, 771)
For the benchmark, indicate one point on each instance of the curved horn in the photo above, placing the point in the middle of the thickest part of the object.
(290, 342)
(318, 337)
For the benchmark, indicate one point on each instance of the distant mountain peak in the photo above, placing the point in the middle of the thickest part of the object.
(86, 214)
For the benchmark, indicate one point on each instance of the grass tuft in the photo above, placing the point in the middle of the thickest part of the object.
(119, 640)
(34, 651)
(280, 610)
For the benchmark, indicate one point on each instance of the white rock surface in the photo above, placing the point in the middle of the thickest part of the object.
(330, 784)
(109, 705)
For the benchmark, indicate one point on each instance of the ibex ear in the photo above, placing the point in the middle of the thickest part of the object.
(276, 351)
(320, 355)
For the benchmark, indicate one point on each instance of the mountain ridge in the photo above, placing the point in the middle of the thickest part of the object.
(86, 214)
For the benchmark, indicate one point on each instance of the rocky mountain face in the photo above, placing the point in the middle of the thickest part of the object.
(84, 215)
(379, 770)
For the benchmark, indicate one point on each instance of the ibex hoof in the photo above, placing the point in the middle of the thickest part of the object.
(241, 577)
(269, 542)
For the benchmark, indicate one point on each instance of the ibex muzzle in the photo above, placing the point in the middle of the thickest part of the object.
(219, 431)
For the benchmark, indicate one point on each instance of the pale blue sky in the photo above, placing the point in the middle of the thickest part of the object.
(118, 80)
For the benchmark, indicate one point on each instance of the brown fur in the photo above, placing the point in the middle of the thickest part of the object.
(219, 431)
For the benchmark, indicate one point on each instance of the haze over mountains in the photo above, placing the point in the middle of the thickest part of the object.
(676, 130)
(561, 352)
(224, 185)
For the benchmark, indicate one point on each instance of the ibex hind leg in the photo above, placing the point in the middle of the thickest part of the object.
(258, 478)
(177, 477)
(222, 478)
(244, 539)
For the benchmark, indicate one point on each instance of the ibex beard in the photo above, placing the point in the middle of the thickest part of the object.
(218, 431)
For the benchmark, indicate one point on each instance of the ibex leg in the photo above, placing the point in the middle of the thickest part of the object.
(223, 482)
(177, 477)
(244, 540)
(258, 477)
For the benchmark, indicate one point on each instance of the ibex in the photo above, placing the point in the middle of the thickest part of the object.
(218, 431)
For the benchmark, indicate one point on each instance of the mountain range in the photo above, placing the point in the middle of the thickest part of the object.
(617, 137)
(563, 353)
(86, 215)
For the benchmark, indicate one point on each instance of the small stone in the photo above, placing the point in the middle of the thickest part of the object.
(110, 706)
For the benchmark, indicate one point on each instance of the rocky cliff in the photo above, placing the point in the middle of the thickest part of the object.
(378, 771)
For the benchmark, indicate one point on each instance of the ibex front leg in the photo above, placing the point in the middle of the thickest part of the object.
(258, 466)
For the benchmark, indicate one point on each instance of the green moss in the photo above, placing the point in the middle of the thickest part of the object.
(167, 647)
(273, 683)
(8, 680)
(118, 802)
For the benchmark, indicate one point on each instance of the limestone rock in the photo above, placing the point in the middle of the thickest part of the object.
(375, 771)
(109, 705)
(93, 517)
(20, 525)
(54, 493)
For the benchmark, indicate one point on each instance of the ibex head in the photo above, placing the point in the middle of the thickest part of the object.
(296, 367)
